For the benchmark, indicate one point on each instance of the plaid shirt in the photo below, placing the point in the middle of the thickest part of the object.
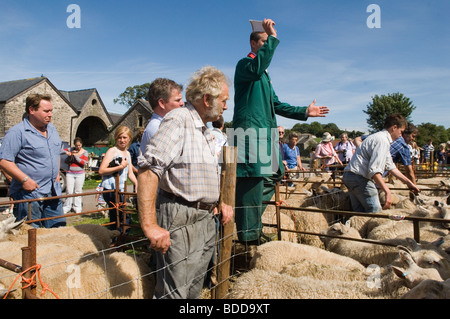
(182, 154)
(400, 152)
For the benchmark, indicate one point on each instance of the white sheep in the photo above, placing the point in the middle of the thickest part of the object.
(266, 284)
(87, 238)
(403, 229)
(277, 254)
(412, 273)
(54, 255)
(79, 247)
(110, 276)
(364, 224)
(270, 217)
(430, 255)
(430, 289)
(313, 181)
(317, 270)
(365, 253)
(309, 222)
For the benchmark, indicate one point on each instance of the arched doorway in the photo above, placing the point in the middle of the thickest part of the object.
(93, 131)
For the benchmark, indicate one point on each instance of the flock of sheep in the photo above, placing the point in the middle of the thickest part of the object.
(77, 261)
(330, 266)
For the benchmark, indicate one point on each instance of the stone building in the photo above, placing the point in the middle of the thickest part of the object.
(93, 121)
(79, 113)
(12, 104)
(136, 117)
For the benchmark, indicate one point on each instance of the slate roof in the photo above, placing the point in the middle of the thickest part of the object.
(78, 98)
(10, 89)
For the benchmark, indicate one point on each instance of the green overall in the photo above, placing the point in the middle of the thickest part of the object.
(255, 132)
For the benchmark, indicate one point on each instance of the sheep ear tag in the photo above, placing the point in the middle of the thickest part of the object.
(399, 272)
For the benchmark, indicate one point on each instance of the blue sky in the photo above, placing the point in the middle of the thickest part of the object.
(327, 52)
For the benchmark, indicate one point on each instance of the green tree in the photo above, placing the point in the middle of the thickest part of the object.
(301, 127)
(333, 129)
(132, 94)
(437, 133)
(382, 106)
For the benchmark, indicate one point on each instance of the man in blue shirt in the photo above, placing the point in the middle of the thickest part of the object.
(401, 152)
(30, 153)
(164, 95)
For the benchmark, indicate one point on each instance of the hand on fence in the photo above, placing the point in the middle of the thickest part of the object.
(226, 213)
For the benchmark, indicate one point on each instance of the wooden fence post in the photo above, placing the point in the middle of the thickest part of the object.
(278, 210)
(227, 196)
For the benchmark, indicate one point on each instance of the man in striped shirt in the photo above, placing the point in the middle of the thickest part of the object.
(181, 160)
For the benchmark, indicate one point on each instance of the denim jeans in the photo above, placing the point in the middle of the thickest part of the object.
(363, 193)
(74, 185)
(39, 209)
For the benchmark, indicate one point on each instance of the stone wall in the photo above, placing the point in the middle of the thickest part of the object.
(14, 110)
(93, 109)
(135, 119)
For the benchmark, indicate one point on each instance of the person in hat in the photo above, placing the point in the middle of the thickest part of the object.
(256, 105)
(325, 151)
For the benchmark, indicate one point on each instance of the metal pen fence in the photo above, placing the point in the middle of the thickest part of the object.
(227, 264)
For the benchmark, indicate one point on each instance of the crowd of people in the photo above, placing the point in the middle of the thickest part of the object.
(174, 163)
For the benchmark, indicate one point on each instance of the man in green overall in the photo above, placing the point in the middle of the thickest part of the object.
(255, 133)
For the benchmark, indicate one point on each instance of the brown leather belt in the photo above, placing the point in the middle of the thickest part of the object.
(182, 201)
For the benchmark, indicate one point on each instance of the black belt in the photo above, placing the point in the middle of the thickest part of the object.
(182, 201)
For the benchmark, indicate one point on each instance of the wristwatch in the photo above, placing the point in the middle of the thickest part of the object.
(25, 179)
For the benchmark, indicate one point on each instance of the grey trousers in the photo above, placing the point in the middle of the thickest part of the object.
(181, 271)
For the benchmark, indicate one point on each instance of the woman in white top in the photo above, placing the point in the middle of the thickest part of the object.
(345, 149)
(117, 160)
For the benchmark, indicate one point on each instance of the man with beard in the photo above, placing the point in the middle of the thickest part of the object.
(30, 153)
(181, 160)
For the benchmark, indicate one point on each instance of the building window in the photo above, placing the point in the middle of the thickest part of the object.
(140, 121)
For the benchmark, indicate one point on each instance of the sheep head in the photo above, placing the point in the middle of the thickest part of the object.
(444, 210)
(428, 257)
(339, 229)
(412, 273)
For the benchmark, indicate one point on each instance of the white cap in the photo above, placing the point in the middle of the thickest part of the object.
(257, 26)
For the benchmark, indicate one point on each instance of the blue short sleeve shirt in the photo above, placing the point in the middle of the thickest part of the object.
(35, 155)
